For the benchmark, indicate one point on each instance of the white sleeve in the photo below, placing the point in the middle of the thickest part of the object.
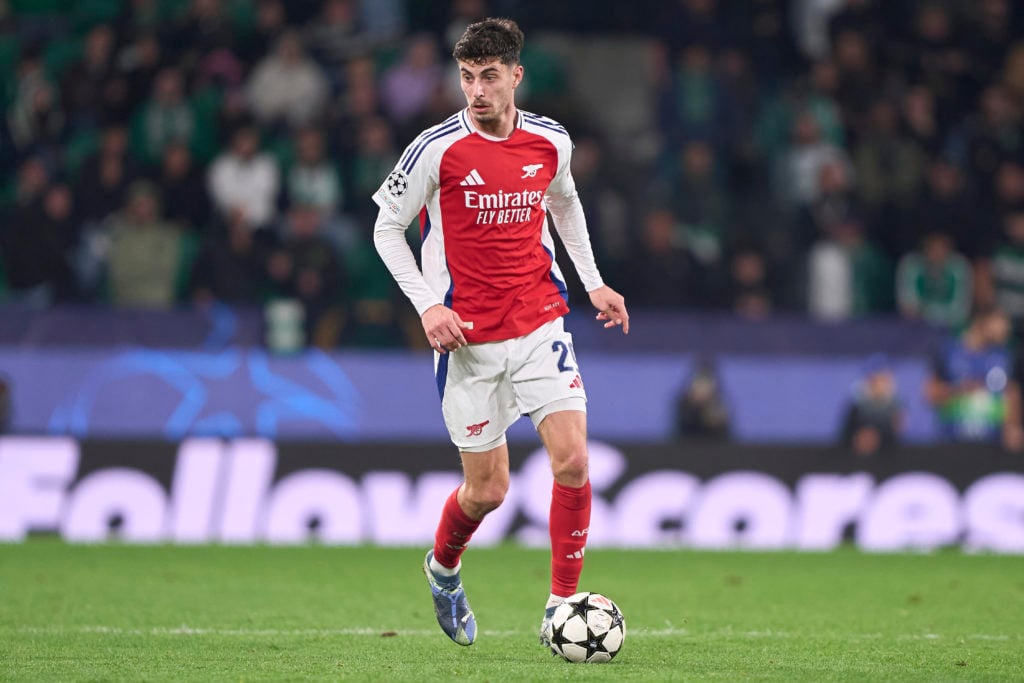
(400, 199)
(571, 224)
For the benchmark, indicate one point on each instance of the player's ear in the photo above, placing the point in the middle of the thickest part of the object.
(517, 75)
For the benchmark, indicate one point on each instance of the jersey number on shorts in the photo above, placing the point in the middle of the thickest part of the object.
(566, 352)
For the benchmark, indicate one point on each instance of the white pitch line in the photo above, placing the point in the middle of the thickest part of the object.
(670, 632)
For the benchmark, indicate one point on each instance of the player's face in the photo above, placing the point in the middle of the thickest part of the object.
(489, 90)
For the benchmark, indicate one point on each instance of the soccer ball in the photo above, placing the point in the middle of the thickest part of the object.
(587, 627)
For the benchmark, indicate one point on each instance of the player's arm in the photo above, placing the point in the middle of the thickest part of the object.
(571, 224)
(399, 199)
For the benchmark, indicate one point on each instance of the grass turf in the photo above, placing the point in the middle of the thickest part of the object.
(248, 613)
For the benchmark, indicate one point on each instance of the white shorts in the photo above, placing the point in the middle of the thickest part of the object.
(486, 387)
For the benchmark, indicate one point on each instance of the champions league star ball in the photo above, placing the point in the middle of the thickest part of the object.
(587, 627)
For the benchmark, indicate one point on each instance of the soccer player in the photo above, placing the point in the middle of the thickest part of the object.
(491, 299)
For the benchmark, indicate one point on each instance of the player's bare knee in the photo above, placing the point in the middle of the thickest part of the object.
(486, 496)
(571, 469)
(483, 501)
(492, 498)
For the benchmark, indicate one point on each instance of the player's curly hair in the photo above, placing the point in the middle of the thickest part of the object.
(488, 39)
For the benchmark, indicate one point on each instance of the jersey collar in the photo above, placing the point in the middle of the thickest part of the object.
(468, 122)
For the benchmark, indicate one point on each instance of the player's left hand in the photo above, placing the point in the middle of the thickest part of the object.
(612, 307)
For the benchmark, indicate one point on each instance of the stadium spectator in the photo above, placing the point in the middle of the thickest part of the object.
(335, 37)
(687, 21)
(943, 205)
(604, 205)
(382, 20)
(811, 18)
(85, 84)
(205, 27)
(287, 88)
(858, 75)
(231, 268)
(993, 133)
(934, 54)
(661, 272)
(358, 101)
(244, 181)
(814, 93)
(312, 179)
(1001, 275)
(462, 14)
(36, 246)
(701, 409)
(40, 21)
(801, 165)
(103, 179)
(1005, 195)
(34, 118)
(306, 268)
(700, 202)
(693, 104)
(183, 188)
(1012, 75)
(138, 62)
(749, 291)
(847, 275)
(889, 168)
(992, 28)
(874, 414)
(32, 180)
(920, 124)
(408, 86)
(864, 16)
(378, 318)
(269, 24)
(164, 118)
(375, 153)
(834, 203)
(743, 90)
(972, 385)
(768, 37)
(935, 283)
(148, 259)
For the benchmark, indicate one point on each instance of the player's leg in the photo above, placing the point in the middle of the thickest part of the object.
(478, 405)
(486, 482)
(486, 476)
(564, 434)
(550, 389)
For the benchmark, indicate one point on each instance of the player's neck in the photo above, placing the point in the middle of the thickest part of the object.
(499, 129)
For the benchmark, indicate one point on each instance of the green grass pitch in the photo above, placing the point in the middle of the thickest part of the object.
(260, 613)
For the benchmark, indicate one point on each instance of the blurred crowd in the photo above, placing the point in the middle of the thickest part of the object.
(841, 158)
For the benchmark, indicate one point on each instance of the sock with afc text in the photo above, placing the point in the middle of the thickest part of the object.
(569, 525)
(453, 532)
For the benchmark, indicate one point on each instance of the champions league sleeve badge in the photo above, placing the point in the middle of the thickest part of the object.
(397, 183)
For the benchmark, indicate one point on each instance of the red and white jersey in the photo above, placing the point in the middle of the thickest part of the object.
(487, 252)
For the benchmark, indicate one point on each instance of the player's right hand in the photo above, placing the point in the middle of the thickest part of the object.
(443, 328)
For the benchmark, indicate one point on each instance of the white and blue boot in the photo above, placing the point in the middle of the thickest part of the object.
(450, 604)
(545, 625)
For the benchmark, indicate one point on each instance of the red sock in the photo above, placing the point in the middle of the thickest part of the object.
(569, 525)
(453, 532)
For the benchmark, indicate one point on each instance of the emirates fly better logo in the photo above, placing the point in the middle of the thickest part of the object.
(500, 208)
